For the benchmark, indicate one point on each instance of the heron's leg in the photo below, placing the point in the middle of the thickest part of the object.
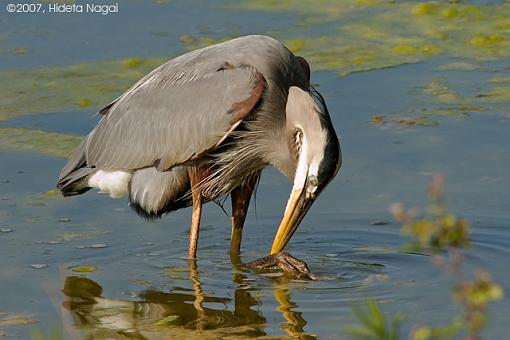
(196, 175)
(240, 201)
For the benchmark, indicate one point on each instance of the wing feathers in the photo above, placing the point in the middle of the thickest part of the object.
(165, 123)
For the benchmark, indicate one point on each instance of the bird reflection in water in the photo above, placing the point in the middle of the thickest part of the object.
(177, 314)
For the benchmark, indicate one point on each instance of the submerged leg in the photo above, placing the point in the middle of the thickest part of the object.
(240, 201)
(198, 303)
(195, 176)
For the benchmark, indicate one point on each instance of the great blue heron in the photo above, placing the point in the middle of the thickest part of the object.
(204, 125)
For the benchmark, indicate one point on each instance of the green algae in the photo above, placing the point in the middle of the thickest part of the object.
(441, 90)
(497, 94)
(500, 80)
(84, 102)
(167, 321)
(424, 116)
(51, 193)
(312, 12)
(326, 53)
(48, 143)
(383, 119)
(187, 39)
(459, 66)
(295, 45)
(369, 35)
(193, 43)
(83, 269)
(57, 89)
(133, 62)
(412, 50)
(490, 97)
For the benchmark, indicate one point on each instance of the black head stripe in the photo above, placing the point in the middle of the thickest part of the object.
(332, 153)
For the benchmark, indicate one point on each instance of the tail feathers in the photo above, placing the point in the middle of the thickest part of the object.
(76, 182)
(74, 177)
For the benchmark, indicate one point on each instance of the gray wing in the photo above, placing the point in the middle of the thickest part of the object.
(164, 121)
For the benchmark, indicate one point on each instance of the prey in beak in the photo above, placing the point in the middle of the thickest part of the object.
(302, 196)
(300, 201)
(315, 158)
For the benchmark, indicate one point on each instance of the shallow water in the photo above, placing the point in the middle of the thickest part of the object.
(143, 286)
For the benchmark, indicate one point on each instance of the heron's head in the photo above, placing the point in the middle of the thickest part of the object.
(315, 149)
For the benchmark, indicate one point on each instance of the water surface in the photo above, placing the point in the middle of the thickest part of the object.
(144, 287)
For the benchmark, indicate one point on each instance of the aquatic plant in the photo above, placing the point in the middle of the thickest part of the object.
(374, 324)
(38, 334)
(445, 237)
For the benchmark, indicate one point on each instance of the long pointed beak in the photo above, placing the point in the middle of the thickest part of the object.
(296, 209)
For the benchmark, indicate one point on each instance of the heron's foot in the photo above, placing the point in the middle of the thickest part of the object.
(285, 262)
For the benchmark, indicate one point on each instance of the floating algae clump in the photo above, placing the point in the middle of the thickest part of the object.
(84, 269)
(295, 45)
(409, 50)
(426, 8)
(84, 102)
(133, 62)
(48, 143)
(193, 43)
(498, 94)
(440, 89)
(459, 66)
(482, 40)
(500, 80)
(381, 119)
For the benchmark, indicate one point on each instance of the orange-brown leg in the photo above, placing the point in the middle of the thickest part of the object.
(240, 201)
(196, 174)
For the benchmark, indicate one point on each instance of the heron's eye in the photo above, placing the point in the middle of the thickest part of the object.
(311, 188)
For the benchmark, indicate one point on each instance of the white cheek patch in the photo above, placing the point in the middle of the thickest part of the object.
(113, 182)
(305, 170)
(314, 166)
(302, 167)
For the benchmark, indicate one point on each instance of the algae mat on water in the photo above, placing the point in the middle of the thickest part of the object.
(48, 143)
(361, 35)
(57, 89)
